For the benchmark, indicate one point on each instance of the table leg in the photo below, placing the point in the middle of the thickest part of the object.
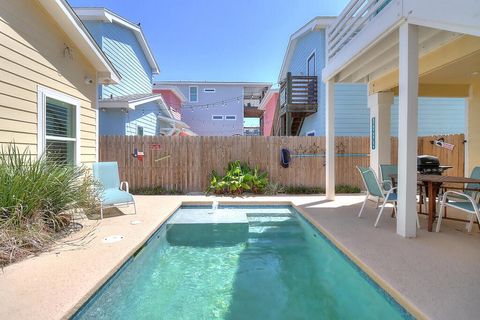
(432, 203)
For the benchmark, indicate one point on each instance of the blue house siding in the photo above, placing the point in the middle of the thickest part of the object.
(311, 42)
(122, 48)
(352, 116)
(112, 122)
(117, 122)
(436, 116)
(144, 116)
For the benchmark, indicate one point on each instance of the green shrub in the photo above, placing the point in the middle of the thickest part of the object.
(345, 188)
(303, 190)
(239, 178)
(156, 190)
(38, 199)
(275, 188)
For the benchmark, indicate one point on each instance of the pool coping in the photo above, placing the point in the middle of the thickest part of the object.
(384, 285)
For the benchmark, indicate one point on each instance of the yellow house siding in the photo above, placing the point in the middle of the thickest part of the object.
(33, 54)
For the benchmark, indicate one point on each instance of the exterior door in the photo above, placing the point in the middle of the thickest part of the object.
(311, 65)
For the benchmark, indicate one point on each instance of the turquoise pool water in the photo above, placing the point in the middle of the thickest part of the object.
(275, 267)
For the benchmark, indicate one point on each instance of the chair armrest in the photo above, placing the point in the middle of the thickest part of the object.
(126, 184)
(460, 194)
(387, 182)
(390, 191)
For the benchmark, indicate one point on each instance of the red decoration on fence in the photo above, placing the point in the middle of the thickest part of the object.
(155, 146)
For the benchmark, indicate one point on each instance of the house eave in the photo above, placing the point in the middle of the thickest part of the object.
(65, 17)
(130, 104)
(103, 14)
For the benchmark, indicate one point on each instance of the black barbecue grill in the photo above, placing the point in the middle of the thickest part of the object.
(430, 165)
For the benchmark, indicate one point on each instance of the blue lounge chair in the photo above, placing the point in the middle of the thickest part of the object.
(113, 194)
(467, 201)
(376, 191)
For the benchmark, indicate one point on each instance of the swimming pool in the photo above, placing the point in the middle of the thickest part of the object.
(266, 262)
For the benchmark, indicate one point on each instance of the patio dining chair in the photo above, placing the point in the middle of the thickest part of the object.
(466, 201)
(386, 171)
(112, 195)
(375, 190)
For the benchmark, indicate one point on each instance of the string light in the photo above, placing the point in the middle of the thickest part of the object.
(213, 104)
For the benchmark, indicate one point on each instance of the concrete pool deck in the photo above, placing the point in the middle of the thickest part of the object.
(434, 273)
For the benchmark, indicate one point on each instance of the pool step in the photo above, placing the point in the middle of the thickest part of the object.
(268, 214)
(275, 232)
(272, 221)
(268, 243)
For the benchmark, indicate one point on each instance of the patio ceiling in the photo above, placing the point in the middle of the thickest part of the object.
(445, 58)
(454, 64)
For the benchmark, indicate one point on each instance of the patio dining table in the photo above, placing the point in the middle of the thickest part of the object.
(433, 184)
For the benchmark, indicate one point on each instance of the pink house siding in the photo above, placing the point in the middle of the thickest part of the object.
(269, 114)
(171, 99)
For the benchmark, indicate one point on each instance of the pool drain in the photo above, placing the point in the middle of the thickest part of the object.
(135, 222)
(112, 239)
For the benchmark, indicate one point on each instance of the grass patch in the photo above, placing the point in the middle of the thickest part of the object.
(38, 202)
(345, 188)
(275, 188)
(154, 191)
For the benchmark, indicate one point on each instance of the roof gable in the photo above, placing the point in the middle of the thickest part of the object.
(316, 23)
(105, 15)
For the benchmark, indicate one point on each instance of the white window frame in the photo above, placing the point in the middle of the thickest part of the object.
(310, 133)
(42, 95)
(217, 115)
(190, 94)
(314, 54)
(209, 90)
(231, 115)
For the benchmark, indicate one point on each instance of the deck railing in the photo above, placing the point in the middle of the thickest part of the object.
(350, 22)
(299, 94)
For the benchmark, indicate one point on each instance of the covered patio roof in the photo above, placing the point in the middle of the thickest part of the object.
(407, 48)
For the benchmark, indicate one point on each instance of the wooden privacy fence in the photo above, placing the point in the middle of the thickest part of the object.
(454, 158)
(185, 163)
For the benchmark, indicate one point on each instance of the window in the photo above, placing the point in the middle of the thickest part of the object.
(139, 131)
(193, 94)
(217, 117)
(209, 90)
(230, 117)
(311, 68)
(58, 127)
(311, 133)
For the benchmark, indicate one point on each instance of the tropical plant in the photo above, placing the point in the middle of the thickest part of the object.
(239, 178)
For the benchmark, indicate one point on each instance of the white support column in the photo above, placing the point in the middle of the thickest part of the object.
(407, 131)
(330, 140)
(380, 105)
(472, 147)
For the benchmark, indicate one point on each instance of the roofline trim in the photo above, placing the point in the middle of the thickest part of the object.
(321, 22)
(104, 14)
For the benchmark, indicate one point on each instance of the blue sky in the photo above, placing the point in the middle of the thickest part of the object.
(219, 40)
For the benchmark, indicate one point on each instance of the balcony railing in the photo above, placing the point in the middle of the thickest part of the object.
(351, 21)
(299, 94)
